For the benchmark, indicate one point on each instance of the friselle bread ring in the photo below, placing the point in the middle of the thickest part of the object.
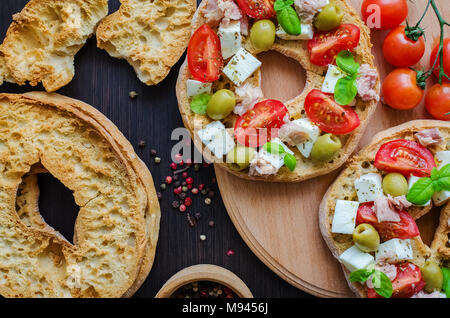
(117, 226)
(297, 50)
(362, 164)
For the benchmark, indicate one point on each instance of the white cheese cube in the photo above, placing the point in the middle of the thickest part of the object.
(413, 179)
(307, 33)
(195, 88)
(313, 131)
(439, 198)
(230, 38)
(241, 67)
(368, 187)
(216, 139)
(344, 217)
(394, 251)
(334, 74)
(354, 259)
(442, 159)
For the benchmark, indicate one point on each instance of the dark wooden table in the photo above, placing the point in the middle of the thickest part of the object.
(105, 82)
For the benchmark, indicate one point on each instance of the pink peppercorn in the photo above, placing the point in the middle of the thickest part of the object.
(169, 179)
(182, 208)
(181, 163)
(194, 191)
(185, 174)
(189, 180)
(189, 186)
(173, 166)
(188, 201)
(230, 252)
(177, 190)
(201, 186)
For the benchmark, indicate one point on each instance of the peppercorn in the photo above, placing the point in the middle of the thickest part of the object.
(157, 159)
(163, 186)
(190, 220)
(189, 180)
(185, 175)
(202, 237)
(188, 201)
(211, 194)
(153, 153)
(182, 195)
(133, 94)
(177, 184)
(198, 215)
(173, 166)
(185, 189)
(159, 194)
(176, 177)
(177, 190)
(169, 179)
(141, 144)
(194, 191)
(214, 180)
(184, 183)
(211, 223)
(196, 167)
(182, 208)
(175, 204)
(207, 201)
(204, 191)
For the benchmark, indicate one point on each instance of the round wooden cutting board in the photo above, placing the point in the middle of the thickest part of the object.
(279, 222)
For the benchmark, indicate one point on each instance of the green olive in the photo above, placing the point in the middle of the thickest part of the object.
(395, 184)
(366, 238)
(325, 148)
(329, 18)
(432, 274)
(262, 35)
(221, 104)
(239, 158)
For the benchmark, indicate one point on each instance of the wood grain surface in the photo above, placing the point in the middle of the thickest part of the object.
(104, 82)
(279, 222)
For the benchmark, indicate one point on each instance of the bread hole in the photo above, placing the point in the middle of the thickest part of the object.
(428, 224)
(283, 78)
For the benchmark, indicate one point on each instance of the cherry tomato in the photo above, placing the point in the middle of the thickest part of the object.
(205, 55)
(401, 51)
(384, 14)
(437, 101)
(258, 9)
(446, 50)
(331, 117)
(407, 283)
(400, 89)
(260, 124)
(406, 157)
(324, 47)
(406, 228)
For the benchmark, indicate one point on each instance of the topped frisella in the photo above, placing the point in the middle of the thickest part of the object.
(223, 106)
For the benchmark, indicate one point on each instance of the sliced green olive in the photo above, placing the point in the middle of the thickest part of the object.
(395, 184)
(262, 35)
(221, 104)
(329, 18)
(366, 238)
(325, 148)
(432, 275)
(239, 157)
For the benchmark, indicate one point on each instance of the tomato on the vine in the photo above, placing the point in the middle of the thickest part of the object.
(384, 14)
(446, 50)
(401, 51)
(400, 89)
(437, 101)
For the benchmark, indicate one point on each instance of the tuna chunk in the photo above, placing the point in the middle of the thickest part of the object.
(366, 82)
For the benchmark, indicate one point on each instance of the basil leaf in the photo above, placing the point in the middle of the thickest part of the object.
(446, 281)
(444, 178)
(345, 90)
(421, 191)
(199, 103)
(347, 63)
(274, 148)
(289, 21)
(360, 276)
(290, 161)
(282, 4)
(435, 174)
(382, 284)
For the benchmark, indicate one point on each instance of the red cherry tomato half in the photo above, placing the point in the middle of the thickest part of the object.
(407, 283)
(437, 101)
(331, 117)
(384, 14)
(401, 51)
(446, 51)
(205, 55)
(406, 157)
(260, 124)
(324, 47)
(406, 228)
(258, 9)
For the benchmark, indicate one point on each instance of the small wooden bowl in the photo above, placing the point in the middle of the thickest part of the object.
(204, 272)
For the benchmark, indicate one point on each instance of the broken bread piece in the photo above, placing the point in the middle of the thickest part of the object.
(43, 39)
(150, 35)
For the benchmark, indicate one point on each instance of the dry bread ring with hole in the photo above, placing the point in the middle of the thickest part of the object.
(117, 226)
(343, 189)
(297, 50)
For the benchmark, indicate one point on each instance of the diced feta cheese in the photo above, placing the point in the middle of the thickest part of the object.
(333, 75)
(230, 38)
(216, 139)
(394, 251)
(368, 187)
(442, 159)
(241, 66)
(195, 88)
(307, 33)
(354, 259)
(344, 217)
(413, 179)
(313, 131)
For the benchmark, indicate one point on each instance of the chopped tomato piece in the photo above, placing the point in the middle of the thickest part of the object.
(406, 228)
(258, 9)
(406, 157)
(322, 109)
